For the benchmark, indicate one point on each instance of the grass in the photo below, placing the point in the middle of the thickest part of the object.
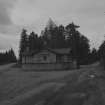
(56, 87)
(16, 82)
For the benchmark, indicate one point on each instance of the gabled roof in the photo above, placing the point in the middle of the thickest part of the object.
(61, 51)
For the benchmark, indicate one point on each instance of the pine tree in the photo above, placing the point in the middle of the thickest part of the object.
(23, 44)
(12, 55)
(53, 35)
(78, 43)
(102, 54)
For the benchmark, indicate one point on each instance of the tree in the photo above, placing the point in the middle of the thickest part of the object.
(101, 53)
(7, 57)
(78, 43)
(12, 57)
(84, 49)
(53, 35)
(23, 44)
(73, 39)
(49, 34)
(33, 41)
(95, 55)
(61, 42)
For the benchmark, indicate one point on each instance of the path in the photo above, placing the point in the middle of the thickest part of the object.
(89, 89)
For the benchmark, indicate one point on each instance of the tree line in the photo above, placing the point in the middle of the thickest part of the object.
(7, 57)
(101, 52)
(54, 36)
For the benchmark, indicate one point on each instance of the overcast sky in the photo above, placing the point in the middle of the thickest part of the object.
(34, 14)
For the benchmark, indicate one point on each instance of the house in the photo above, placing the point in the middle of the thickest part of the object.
(47, 59)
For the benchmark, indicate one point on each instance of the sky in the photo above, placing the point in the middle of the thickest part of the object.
(34, 14)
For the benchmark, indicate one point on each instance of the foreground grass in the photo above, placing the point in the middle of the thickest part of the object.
(74, 87)
(15, 83)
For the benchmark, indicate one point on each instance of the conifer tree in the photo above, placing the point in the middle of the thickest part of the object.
(101, 53)
(12, 55)
(23, 44)
(78, 43)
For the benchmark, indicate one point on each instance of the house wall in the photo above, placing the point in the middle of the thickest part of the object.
(41, 57)
(27, 59)
(49, 66)
(67, 58)
(23, 60)
(44, 57)
(46, 60)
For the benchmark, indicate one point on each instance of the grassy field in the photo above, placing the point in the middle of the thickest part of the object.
(76, 87)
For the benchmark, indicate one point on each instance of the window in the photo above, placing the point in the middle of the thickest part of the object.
(45, 58)
(59, 58)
